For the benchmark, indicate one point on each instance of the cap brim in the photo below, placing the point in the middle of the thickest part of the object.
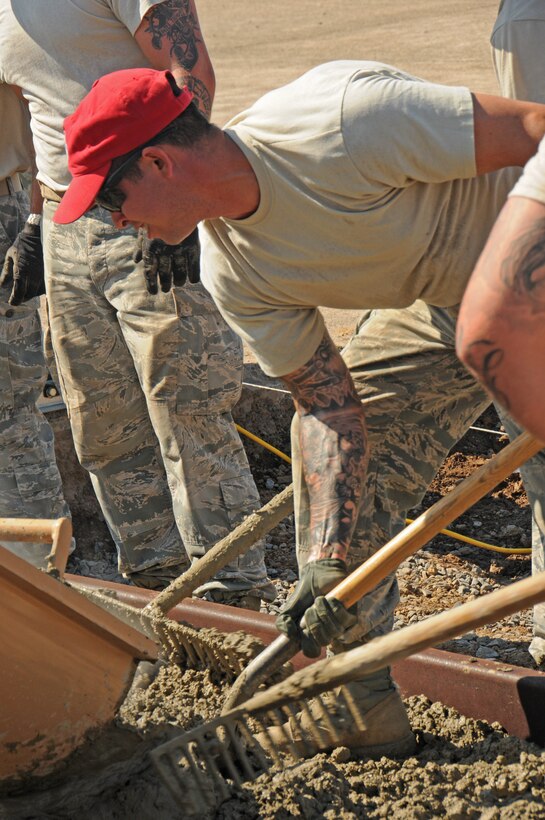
(80, 195)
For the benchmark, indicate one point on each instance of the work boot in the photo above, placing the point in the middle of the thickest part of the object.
(242, 598)
(157, 578)
(376, 726)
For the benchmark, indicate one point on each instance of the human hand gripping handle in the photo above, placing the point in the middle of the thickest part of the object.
(24, 266)
(325, 618)
(168, 265)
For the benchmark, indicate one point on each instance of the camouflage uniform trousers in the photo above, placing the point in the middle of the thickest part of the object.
(419, 400)
(30, 484)
(149, 382)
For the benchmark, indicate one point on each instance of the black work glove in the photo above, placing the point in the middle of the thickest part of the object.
(325, 619)
(24, 266)
(169, 264)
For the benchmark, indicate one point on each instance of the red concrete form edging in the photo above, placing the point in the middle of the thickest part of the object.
(487, 690)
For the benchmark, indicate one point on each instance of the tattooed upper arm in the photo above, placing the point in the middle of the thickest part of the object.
(500, 335)
(523, 269)
(170, 37)
(333, 447)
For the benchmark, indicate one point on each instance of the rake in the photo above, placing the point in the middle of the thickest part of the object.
(181, 642)
(389, 557)
(348, 592)
(202, 766)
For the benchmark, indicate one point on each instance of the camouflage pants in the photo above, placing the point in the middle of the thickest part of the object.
(419, 400)
(30, 484)
(149, 383)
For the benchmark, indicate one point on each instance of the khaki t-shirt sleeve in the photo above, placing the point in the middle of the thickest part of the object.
(398, 130)
(532, 182)
(282, 339)
(131, 12)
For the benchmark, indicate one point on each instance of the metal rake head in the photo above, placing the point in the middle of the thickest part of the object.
(205, 648)
(202, 766)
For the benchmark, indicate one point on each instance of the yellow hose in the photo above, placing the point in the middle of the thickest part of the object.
(263, 443)
(450, 533)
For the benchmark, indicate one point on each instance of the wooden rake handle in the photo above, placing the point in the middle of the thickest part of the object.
(239, 541)
(57, 532)
(397, 645)
(389, 557)
(427, 525)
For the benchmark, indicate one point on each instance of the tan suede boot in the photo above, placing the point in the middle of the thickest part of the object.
(370, 723)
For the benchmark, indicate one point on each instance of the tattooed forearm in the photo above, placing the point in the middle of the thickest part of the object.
(333, 446)
(484, 357)
(523, 271)
(202, 97)
(175, 22)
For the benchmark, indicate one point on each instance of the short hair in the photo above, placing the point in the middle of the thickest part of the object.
(186, 130)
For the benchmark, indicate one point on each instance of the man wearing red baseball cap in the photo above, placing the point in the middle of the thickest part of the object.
(149, 378)
(95, 145)
(355, 186)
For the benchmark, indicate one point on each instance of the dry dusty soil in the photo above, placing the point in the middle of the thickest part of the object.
(463, 768)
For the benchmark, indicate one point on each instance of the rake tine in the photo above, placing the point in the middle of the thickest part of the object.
(252, 743)
(169, 769)
(226, 757)
(317, 733)
(188, 646)
(201, 746)
(235, 741)
(331, 730)
(271, 748)
(290, 710)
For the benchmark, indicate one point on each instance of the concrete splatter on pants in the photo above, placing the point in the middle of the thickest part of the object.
(419, 400)
(30, 484)
(149, 383)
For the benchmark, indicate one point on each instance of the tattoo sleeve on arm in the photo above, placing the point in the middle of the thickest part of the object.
(523, 272)
(333, 446)
(485, 358)
(173, 24)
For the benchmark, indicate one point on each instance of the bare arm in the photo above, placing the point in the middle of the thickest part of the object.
(333, 447)
(507, 132)
(170, 37)
(36, 199)
(501, 326)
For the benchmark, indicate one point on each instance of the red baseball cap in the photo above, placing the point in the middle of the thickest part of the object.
(122, 111)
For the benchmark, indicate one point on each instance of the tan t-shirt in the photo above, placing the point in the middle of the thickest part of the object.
(517, 49)
(532, 182)
(366, 202)
(55, 50)
(15, 137)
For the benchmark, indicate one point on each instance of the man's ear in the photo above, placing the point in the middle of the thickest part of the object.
(159, 158)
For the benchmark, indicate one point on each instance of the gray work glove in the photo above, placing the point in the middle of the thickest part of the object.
(24, 266)
(325, 619)
(168, 265)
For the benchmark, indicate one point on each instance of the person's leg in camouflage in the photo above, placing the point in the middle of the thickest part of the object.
(533, 476)
(149, 382)
(30, 484)
(419, 400)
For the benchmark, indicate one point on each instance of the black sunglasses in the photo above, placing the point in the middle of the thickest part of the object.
(110, 197)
